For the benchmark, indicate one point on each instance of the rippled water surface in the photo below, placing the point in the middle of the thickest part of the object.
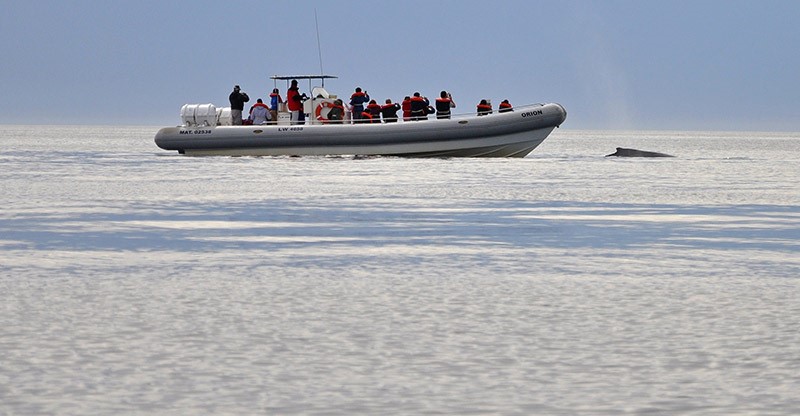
(138, 281)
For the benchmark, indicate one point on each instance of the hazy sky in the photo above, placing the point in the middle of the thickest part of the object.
(614, 64)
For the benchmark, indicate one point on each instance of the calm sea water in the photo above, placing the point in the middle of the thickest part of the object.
(138, 281)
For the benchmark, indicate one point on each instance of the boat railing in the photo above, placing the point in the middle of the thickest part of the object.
(494, 111)
(199, 115)
(433, 117)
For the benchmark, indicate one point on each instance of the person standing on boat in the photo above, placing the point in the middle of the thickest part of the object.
(443, 105)
(274, 100)
(389, 111)
(237, 99)
(294, 101)
(419, 107)
(259, 113)
(357, 101)
(406, 108)
(504, 107)
(484, 108)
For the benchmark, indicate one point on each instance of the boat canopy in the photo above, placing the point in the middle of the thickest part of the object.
(288, 78)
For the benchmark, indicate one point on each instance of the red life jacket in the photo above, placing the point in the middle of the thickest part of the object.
(443, 105)
(359, 98)
(415, 99)
(258, 105)
(406, 109)
(340, 114)
(291, 102)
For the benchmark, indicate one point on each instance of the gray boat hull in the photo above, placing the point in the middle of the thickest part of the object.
(512, 134)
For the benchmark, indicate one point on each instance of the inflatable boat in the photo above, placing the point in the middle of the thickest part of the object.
(516, 133)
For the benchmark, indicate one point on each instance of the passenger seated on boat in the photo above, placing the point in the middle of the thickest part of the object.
(374, 111)
(389, 111)
(443, 105)
(484, 108)
(504, 107)
(419, 107)
(366, 117)
(259, 113)
(336, 113)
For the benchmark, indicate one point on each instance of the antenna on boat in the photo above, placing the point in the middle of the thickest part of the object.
(319, 48)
